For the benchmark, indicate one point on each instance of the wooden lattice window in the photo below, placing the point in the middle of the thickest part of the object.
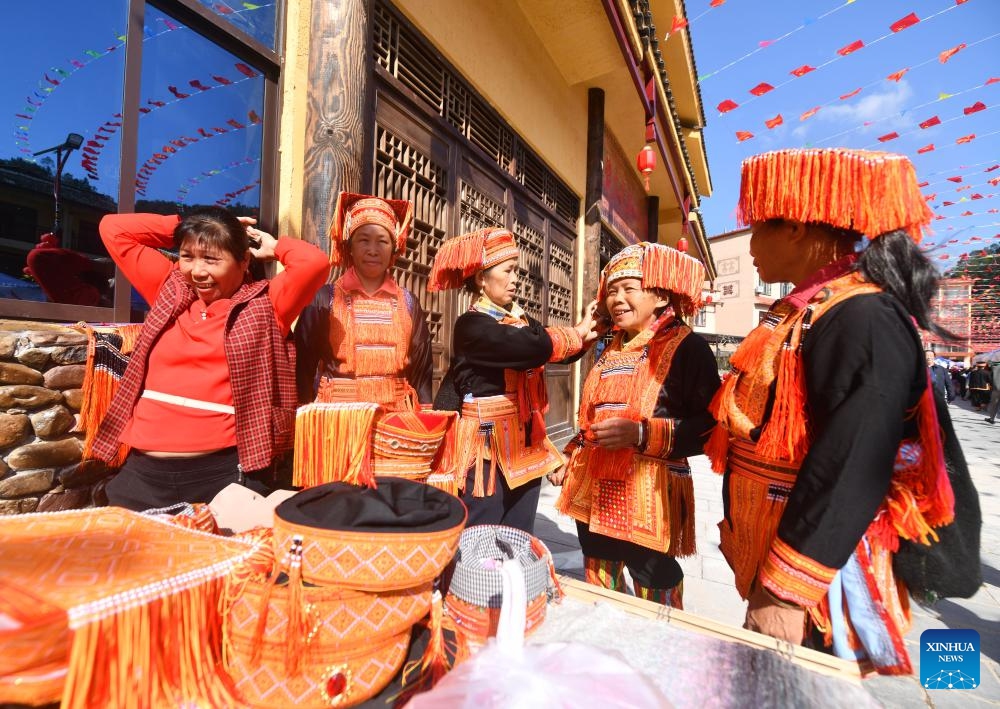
(403, 172)
(479, 210)
(560, 285)
(530, 282)
(404, 54)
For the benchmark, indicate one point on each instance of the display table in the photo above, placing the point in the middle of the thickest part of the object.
(698, 662)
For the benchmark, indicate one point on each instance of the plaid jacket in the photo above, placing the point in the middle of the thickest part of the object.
(261, 372)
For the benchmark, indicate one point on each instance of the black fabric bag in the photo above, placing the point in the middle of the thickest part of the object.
(950, 567)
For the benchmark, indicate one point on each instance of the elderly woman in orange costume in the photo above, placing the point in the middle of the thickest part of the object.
(364, 337)
(828, 434)
(644, 410)
(497, 378)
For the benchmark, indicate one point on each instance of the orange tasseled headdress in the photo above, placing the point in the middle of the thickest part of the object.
(658, 266)
(464, 256)
(356, 210)
(862, 190)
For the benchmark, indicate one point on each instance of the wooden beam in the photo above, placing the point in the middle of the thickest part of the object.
(339, 94)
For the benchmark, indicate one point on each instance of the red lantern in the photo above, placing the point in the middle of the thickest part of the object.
(682, 245)
(708, 300)
(646, 163)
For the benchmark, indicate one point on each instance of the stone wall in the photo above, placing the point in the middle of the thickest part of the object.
(41, 374)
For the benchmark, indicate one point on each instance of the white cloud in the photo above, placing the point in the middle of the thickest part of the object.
(882, 109)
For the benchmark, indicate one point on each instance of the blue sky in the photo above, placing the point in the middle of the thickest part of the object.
(742, 43)
(67, 76)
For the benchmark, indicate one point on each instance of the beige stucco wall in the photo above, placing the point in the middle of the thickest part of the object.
(492, 42)
(736, 313)
(294, 104)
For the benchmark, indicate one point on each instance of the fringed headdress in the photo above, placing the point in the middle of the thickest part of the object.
(861, 190)
(658, 266)
(356, 210)
(464, 256)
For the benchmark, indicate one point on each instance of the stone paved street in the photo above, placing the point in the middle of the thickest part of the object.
(709, 591)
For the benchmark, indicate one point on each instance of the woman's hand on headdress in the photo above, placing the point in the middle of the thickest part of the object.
(590, 326)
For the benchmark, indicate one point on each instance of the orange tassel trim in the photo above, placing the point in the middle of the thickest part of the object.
(101, 381)
(786, 434)
(866, 191)
(333, 442)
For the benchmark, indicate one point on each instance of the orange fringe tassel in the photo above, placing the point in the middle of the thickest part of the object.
(162, 653)
(99, 388)
(333, 442)
(682, 527)
(934, 487)
(870, 192)
(786, 435)
(456, 260)
(717, 446)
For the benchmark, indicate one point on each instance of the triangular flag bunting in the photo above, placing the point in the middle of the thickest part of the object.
(991, 169)
(852, 47)
(974, 108)
(992, 80)
(949, 53)
(774, 122)
(896, 76)
(853, 93)
(965, 139)
(678, 24)
(727, 106)
(761, 89)
(923, 184)
(716, 3)
(947, 204)
(810, 113)
(932, 121)
(802, 70)
(742, 135)
(942, 96)
(956, 178)
(888, 136)
(976, 195)
(908, 21)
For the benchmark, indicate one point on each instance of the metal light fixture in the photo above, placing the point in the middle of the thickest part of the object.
(73, 141)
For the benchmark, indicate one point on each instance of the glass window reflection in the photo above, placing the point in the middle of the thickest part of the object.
(200, 129)
(257, 19)
(57, 95)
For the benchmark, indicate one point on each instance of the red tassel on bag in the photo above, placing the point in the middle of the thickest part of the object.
(434, 664)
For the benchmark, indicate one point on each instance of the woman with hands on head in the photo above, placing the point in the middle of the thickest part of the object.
(497, 378)
(208, 397)
(644, 409)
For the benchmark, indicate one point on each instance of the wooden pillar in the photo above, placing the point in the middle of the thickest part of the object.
(594, 194)
(652, 218)
(339, 97)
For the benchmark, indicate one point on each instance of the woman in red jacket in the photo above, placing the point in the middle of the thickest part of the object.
(208, 397)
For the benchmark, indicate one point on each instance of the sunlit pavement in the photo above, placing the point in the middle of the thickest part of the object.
(709, 591)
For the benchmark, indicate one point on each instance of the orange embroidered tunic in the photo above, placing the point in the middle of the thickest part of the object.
(829, 443)
(497, 374)
(356, 346)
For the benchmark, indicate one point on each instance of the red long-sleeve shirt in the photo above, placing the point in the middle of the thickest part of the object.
(189, 358)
